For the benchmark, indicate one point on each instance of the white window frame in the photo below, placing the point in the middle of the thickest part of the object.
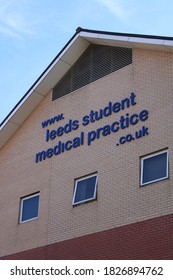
(75, 189)
(142, 167)
(21, 207)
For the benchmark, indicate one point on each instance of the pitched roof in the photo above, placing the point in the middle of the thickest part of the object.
(63, 62)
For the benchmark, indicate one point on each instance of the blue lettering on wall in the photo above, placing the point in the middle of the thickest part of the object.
(109, 110)
(129, 137)
(52, 120)
(60, 148)
(68, 127)
(120, 123)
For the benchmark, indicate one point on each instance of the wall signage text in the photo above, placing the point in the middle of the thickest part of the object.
(121, 122)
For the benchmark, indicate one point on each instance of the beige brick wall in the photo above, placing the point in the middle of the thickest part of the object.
(120, 199)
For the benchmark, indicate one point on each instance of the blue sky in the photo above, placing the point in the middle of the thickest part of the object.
(32, 32)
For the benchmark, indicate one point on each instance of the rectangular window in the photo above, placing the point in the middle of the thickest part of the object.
(154, 167)
(85, 189)
(29, 208)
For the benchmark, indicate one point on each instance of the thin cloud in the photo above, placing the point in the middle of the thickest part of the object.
(8, 32)
(12, 20)
(117, 8)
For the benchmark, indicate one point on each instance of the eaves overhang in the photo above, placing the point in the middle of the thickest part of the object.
(63, 62)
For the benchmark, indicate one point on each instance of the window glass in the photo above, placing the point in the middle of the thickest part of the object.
(85, 189)
(29, 208)
(154, 167)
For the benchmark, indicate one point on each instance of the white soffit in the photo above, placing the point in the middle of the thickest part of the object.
(18, 116)
(159, 44)
(8, 130)
(27, 107)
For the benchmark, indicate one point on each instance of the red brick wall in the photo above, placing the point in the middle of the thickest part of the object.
(151, 239)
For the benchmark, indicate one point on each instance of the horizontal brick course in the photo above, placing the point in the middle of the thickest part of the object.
(151, 239)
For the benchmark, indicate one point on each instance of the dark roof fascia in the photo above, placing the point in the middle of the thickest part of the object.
(79, 29)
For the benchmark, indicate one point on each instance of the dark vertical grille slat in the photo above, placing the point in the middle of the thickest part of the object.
(121, 57)
(101, 62)
(63, 87)
(96, 62)
(81, 71)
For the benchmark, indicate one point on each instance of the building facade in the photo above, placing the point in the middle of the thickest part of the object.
(86, 155)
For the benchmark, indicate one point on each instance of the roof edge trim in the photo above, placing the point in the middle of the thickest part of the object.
(79, 29)
(31, 89)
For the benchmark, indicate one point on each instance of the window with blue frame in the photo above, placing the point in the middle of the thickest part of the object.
(85, 189)
(29, 208)
(154, 167)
